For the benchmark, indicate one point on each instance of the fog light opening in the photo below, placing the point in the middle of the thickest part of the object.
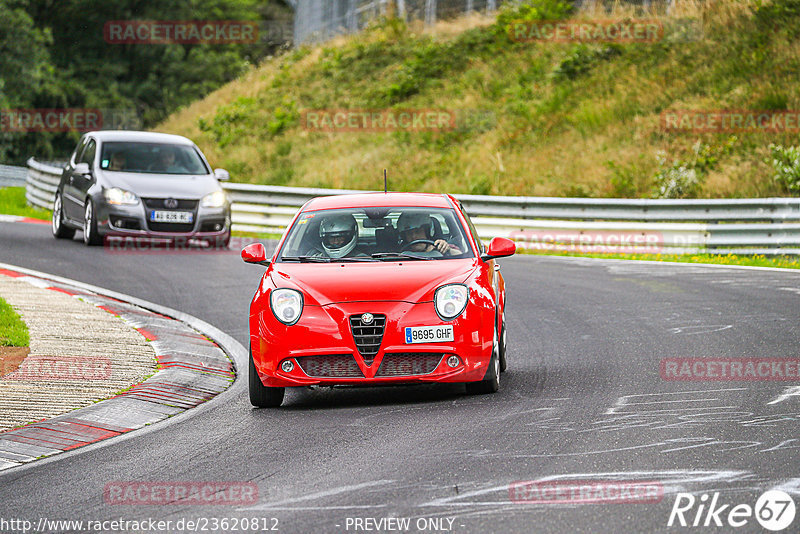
(453, 361)
(287, 366)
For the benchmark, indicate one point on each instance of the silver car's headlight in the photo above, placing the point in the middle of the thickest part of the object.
(287, 305)
(216, 199)
(451, 300)
(115, 195)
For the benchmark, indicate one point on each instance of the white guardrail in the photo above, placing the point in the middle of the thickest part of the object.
(740, 226)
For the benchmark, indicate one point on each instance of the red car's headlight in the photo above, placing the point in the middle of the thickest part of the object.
(287, 305)
(451, 300)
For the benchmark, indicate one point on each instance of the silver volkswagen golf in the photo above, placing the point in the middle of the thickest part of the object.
(141, 184)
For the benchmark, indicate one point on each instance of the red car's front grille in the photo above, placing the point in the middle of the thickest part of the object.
(333, 366)
(368, 336)
(409, 363)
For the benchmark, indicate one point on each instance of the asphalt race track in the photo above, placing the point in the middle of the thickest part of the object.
(583, 400)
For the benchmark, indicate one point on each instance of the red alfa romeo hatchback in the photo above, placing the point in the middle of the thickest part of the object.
(376, 289)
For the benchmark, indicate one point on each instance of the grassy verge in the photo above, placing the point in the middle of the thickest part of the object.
(256, 235)
(783, 262)
(533, 118)
(13, 332)
(12, 202)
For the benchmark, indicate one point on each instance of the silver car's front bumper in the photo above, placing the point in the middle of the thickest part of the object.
(134, 221)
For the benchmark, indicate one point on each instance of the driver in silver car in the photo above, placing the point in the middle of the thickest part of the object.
(416, 235)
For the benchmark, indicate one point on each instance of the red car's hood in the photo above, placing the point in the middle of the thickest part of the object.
(411, 281)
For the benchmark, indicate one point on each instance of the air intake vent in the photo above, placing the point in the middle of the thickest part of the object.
(409, 364)
(333, 366)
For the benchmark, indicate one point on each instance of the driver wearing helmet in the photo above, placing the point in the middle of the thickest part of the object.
(416, 233)
(338, 235)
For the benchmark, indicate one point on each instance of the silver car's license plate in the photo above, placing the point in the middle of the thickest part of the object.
(429, 334)
(172, 216)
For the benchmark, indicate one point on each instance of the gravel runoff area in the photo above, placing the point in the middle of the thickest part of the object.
(89, 344)
(80, 354)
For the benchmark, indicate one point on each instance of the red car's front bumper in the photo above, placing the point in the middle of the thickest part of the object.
(322, 348)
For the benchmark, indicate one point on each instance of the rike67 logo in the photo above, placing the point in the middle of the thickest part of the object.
(774, 510)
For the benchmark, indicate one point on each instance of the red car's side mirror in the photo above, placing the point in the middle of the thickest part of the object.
(499, 247)
(255, 253)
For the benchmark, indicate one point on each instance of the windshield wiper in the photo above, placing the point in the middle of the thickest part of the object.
(307, 259)
(353, 258)
(398, 256)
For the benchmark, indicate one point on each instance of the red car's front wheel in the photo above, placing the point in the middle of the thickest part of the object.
(491, 382)
(262, 396)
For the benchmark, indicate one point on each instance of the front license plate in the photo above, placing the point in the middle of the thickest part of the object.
(172, 216)
(429, 334)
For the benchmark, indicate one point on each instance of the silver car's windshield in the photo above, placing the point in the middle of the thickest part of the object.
(376, 234)
(154, 158)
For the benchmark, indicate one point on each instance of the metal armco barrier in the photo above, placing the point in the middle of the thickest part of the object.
(740, 226)
(12, 176)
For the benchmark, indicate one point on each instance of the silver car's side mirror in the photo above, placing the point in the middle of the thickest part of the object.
(222, 175)
(82, 168)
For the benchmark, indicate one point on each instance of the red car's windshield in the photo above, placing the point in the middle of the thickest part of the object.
(377, 233)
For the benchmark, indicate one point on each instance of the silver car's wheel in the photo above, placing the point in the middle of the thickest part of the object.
(59, 230)
(90, 236)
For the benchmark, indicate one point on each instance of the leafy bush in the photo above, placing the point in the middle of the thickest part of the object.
(581, 60)
(284, 116)
(683, 179)
(532, 10)
(786, 162)
(624, 180)
(231, 121)
(480, 185)
(679, 180)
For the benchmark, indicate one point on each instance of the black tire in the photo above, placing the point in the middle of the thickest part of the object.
(491, 382)
(503, 348)
(90, 236)
(60, 231)
(262, 396)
